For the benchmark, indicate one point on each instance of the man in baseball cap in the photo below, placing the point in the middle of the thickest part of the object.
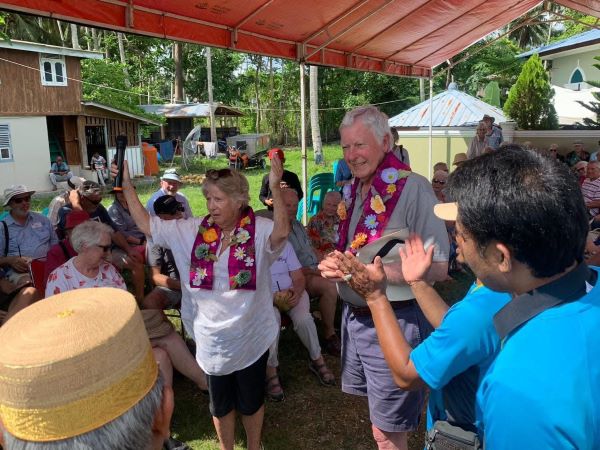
(72, 385)
(170, 183)
(164, 272)
(288, 180)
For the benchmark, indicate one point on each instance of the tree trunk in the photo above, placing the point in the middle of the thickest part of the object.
(314, 114)
(178, 60)
(75, 37)
(123, 59)
(95, 40)
(213, 128)
(257, 91)
(61, 33)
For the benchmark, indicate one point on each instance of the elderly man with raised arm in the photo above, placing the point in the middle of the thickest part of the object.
(386, 197)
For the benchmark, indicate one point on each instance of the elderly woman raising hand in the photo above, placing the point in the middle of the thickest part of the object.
(224, 259)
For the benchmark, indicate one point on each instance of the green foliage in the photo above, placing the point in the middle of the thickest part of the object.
(491, 94)
(496, 62)
(105, 83)
(529, 101)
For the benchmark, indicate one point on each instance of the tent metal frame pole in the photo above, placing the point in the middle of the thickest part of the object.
(430, 159)
(303, 142)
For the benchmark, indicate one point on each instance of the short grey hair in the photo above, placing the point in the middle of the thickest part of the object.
(88, 234)
(372, 118)
(130, 431)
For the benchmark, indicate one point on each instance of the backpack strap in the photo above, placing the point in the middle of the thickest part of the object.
(5, 238)
(568, 288)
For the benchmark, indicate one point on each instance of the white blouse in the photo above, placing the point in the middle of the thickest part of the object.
(232, 328)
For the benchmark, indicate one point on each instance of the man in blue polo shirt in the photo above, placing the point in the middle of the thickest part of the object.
(522, 225)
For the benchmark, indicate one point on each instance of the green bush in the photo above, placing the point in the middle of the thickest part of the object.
(529, 101)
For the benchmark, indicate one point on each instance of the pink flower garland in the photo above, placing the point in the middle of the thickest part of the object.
(242, 253)
(388, 184)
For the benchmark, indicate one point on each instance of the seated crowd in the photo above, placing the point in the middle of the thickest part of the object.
(487, 365)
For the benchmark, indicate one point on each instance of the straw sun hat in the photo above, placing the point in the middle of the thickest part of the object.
(72, 363)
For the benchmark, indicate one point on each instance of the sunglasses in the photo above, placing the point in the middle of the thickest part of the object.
(438, 181)
(105, 248)
(22, 199)
(215, 174)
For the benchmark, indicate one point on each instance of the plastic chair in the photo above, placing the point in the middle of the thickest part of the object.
(318, 186)
(45, 211)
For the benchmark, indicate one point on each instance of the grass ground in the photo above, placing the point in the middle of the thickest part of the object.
(312, 416)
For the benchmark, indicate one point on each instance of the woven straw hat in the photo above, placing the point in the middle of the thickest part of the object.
(72, 363)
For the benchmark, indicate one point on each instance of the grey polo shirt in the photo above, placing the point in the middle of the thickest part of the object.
(414, 211)
(301, 244)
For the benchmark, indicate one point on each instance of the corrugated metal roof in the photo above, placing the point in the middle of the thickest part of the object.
(451, 108)
(579, 40)
(174, 110)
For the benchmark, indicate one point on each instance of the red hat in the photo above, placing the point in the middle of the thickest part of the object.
(278, 152)
(76, 217)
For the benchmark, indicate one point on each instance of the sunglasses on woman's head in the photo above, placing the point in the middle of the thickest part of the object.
(215, 174)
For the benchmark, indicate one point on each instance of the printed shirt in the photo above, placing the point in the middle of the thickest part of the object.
(66, 278)
(323, 232)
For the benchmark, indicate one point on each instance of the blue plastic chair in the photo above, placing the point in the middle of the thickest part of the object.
(45, 211)
(3, 215)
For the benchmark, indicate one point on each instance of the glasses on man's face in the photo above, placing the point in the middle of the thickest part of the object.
(215, 174)
(22, 199)
(438, 181)
(105, 248)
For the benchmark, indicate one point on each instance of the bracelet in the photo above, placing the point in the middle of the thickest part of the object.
(413, 282)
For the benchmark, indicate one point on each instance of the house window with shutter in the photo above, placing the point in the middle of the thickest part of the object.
(53, 70)
(6, 153)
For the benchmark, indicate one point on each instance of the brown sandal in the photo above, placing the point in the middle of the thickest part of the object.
(325, 376)
(271, 389)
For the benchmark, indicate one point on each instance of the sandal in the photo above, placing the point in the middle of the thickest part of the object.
(273, 389)
(325, 376)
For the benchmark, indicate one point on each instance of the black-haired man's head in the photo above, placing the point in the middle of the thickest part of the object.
(530, 204)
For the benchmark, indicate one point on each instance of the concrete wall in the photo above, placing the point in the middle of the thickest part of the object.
(447, 142)
(31, 154)
(563, 67)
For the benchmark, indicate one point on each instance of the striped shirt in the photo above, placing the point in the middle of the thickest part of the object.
(591, 191)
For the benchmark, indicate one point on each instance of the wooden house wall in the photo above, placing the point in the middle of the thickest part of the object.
(115, 127)
(22, 92)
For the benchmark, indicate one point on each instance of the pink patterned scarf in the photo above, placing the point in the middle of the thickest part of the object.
(241, 264)
(386, 188)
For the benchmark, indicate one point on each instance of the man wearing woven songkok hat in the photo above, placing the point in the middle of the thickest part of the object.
(68, 382)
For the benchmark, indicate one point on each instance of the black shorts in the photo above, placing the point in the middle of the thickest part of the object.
(243, 390)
